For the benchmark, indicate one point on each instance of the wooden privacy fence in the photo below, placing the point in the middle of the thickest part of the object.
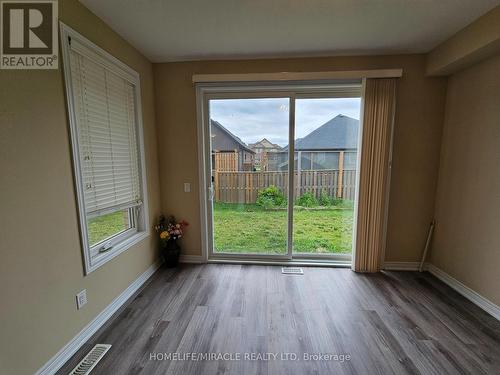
(243, 187)
(226, 161)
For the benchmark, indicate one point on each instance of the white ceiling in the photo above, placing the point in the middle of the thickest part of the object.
(178, 30)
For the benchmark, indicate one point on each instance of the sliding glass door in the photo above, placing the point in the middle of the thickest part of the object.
(248, 139)
(281, 167)
(325, 166)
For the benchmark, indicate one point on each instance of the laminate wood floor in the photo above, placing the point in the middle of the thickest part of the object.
(387, 323)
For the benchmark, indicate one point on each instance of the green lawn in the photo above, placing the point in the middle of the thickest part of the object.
(102, 227)
(242, 228)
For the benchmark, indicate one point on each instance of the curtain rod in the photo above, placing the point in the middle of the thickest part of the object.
(298, 76)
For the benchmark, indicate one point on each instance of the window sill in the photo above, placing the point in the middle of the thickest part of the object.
(101, 259)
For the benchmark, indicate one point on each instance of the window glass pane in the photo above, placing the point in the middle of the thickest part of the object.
(105, 226)
(350, 159)
(316, 160)
(305, 161)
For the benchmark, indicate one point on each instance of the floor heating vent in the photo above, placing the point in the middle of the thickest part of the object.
(292, 270)
(91, 359)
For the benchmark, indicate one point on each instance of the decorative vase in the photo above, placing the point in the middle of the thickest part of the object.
(171, 252)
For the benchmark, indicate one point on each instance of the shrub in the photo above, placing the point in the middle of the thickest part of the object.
(342, 203)
(307, 200)
(337, 202)
(324, 198)
(271, 197)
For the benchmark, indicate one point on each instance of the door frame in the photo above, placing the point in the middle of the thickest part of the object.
(291, 90)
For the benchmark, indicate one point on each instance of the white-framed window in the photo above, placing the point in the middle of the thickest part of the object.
(104, 107)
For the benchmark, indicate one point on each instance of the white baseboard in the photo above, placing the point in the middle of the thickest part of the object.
(400, 266)
(467, 292)
(191, 259)
(57, 361)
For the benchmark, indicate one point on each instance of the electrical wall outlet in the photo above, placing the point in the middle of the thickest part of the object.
(187, 187)
(81, 299)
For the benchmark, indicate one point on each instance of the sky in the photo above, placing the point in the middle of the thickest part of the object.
(254, 119)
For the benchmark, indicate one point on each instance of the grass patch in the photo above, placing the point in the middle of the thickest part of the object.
(102, 227)
(242, 228)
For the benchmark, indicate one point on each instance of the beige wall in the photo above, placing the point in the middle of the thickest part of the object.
(417, 140)
(41, 266)
(474, 43)
(467, 241)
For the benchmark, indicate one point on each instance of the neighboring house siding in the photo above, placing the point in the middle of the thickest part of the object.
(315, 160)
(224, 141)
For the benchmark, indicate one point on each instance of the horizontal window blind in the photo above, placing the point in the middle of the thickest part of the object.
(107, 136)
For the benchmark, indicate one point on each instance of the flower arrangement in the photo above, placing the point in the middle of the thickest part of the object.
(169, 229)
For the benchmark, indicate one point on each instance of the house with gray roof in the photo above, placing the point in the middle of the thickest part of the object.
(340, 133)
(321, 148)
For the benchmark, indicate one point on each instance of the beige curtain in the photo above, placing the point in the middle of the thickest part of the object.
(378, 115)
